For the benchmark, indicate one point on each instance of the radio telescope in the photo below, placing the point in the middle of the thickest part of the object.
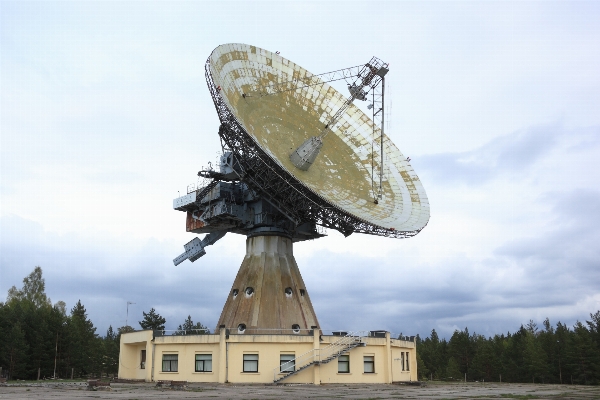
(298, 157)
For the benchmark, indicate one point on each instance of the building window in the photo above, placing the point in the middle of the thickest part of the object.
(369, 364)
(143, 359)
(203, 362)
(407, 364)
(287, 363)
(250, 362)
(402, 360)
(169, 363)
(344, 364)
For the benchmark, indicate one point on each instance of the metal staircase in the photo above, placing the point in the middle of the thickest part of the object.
(317, 356)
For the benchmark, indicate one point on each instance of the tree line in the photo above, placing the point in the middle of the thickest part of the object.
(548, 355)
(40, 340)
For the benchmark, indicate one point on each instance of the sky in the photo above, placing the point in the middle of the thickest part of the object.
(105, 118)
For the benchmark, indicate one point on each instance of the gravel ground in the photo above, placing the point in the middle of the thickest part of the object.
(130, 391)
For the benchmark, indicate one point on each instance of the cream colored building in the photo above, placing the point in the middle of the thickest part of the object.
(260, 358)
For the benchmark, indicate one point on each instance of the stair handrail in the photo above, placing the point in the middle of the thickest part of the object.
(333, 350)
(306, 358)
(339, 346)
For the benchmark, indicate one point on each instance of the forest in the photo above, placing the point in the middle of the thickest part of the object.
(40, 340)
(531, 354)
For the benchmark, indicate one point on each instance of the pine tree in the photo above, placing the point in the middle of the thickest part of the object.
(461, 349)
(513, 356)
(84, 346)
(549, 342)
(432, 351)
(534, 358)
(485, 365)
(111, 343)
(421, 368)
(453, 370)
(189, 328)
(584, 356)
(16, 349)
(152, 320)
(499, 343)
(594, 328)
(124, 329)
(563, 345)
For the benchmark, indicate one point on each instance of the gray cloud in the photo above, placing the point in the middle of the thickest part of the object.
(105, 274)
(113, 118)
(507, 154)
(567, 247)
(524, 278)
(547, 273)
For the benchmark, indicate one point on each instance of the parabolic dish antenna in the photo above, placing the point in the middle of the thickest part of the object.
(269, 106)
(297, 156)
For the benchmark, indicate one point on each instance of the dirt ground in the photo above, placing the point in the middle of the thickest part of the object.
(446, 391)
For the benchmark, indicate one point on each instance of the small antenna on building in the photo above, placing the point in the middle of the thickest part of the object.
(127, 318)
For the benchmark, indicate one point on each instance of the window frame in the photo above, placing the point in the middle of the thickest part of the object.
(203, 361)
(170, 361)
(292, 367)
(246, 361)
(370, 362)
(143, 359)
(344, 359)
(406, 360)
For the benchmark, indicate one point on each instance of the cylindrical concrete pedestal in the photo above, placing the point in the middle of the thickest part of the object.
(268, 294)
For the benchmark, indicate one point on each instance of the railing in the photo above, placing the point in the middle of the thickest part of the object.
(298, 363)
(338, 347)
(316, 356)
(400, 336)
(181, 332)
(270, 331)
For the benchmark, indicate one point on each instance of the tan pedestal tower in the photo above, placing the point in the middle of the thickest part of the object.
(268, 294)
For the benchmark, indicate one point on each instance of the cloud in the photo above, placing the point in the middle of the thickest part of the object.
(508, 154)
(541, 261)
(565, 252)
(105, 272)
(105, 117)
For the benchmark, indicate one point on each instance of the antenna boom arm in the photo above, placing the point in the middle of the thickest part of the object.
(305, 81)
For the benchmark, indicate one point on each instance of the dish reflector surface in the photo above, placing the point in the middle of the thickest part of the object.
(342, 172)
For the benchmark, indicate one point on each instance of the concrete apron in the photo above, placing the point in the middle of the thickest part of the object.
(268, 295)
